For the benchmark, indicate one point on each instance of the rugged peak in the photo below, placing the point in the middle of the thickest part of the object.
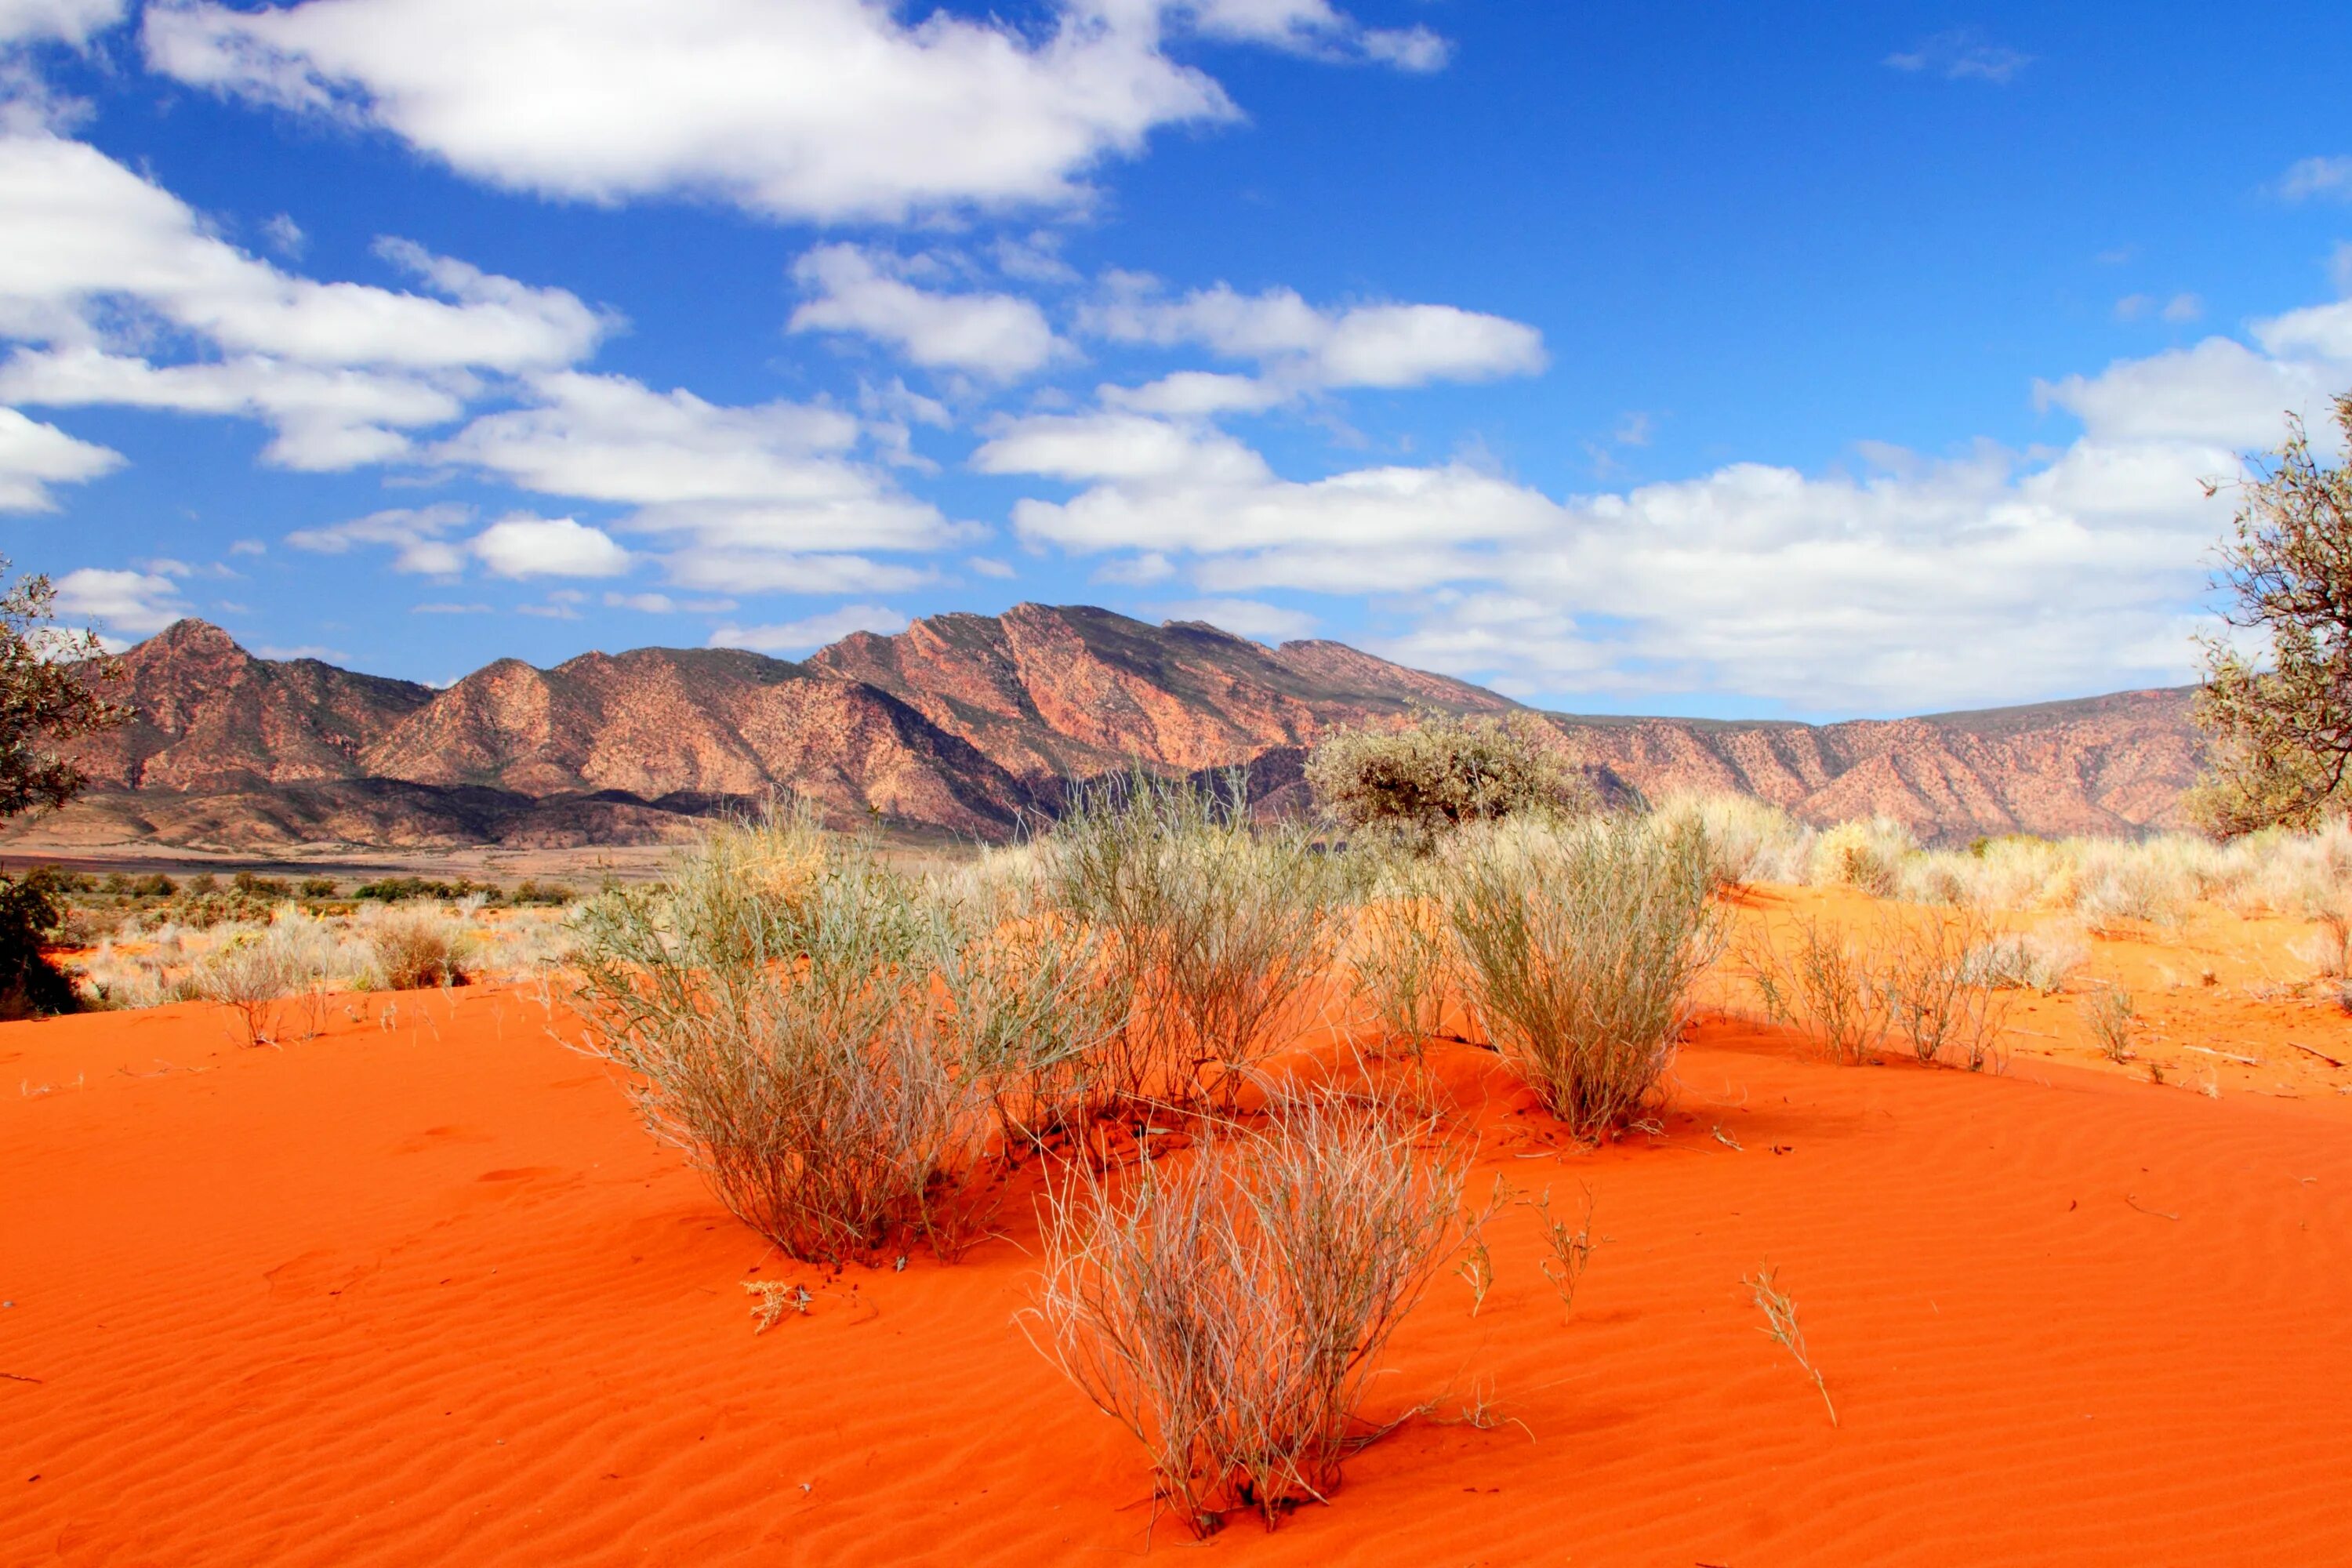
(191, 637)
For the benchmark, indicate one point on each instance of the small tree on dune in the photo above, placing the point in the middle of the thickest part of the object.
(1442, 772)
(51, 692)
(2281, 729)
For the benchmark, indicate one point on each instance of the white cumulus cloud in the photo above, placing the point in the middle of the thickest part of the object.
(119, 600)
(1381, 345)
(62, 21)
(829, 110)
(1001, 336)
(523, 546)
(34, 456)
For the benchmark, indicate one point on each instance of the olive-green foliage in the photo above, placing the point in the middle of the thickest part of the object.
(1443, 772)
(2281, 723)
(51, 691)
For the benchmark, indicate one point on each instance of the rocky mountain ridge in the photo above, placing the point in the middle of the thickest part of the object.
(965, 726)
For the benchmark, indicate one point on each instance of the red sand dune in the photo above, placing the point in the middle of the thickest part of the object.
(421, 1292)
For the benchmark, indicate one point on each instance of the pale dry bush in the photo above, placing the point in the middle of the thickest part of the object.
(1032, 998)
(1578, 947)
(1229, 1304)
(768, 1003)
(1864, 855)
(1828, 979)
(2114, 1023)
(1221, 929)
(1945, 1007)
(274, 978)
(416, 948)
(1748, 840)
(2042, 960)
(2115, 882)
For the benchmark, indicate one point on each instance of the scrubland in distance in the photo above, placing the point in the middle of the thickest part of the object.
(256, 965)
(2107, 883)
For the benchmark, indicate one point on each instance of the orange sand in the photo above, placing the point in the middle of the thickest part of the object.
(426, 1294)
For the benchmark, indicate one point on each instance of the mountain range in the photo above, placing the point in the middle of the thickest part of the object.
(964, 726)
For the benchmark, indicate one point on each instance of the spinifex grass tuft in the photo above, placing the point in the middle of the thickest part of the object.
(1229, 1304)
(1578, 947)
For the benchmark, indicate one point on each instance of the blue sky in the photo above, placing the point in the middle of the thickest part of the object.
(1803, 361)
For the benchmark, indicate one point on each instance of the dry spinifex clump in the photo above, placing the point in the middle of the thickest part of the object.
(1228, 1304)
(1577, 949)
(772, 1003)
(1220, 928)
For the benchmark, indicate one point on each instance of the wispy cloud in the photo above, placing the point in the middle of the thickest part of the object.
(2317, 179)
(1962, 54)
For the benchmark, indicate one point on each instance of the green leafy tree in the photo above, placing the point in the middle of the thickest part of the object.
(52, 691)
(2280, 723)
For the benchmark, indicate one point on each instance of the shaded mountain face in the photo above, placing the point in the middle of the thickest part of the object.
(964, 726)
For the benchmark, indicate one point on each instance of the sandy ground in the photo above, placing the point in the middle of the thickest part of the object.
(421, 1292)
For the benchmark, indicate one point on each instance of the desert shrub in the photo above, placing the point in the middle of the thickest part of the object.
(402, 889)
(318, 886)
(1442, 772)
(1944, 1006)
(1229, 1304)
(1031, 997)
(1865, 855)
(2114, 1023)
(1400, 955)
(417, 949)
(768, 1002)
(30, 913)
(274, 978)
(1578, 948)
(1830, 982)
(2118, 882)
(1220, 929)
(1748, 840)
(2279, 726)
(2030, 961)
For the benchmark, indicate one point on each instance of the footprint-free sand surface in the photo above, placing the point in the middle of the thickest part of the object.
(421, 1290)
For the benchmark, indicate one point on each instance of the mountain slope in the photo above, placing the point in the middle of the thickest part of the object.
(1052, 692)
(2114, 764)
(966, 724)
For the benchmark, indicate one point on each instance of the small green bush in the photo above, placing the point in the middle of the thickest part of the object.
(1441, 772)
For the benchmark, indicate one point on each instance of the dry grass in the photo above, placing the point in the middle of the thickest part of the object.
(1831, 984)
(1852, 989)
(270, 981)
(768, 1007)
(1568, 1250)
(1578, 948)
(1221, 930)
(419, 949)
(2040, 960)
(2113, 1022)
(1400, 956)
(1780, 1326)
(1229, 1304)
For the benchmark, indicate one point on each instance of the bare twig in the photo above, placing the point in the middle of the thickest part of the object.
(1780, 1326)
(2315, 1051)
